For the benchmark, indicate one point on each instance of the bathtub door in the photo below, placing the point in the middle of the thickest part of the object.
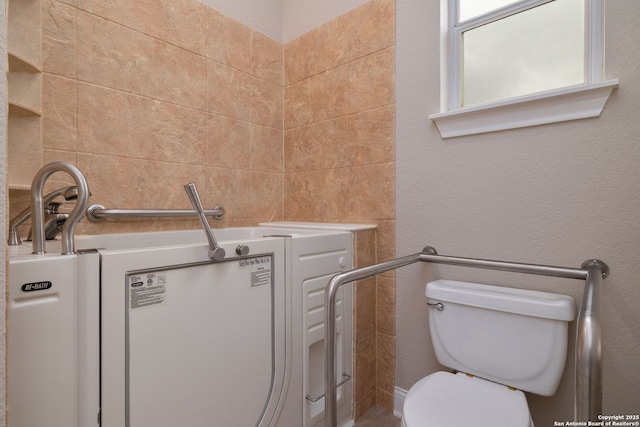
(188, 342)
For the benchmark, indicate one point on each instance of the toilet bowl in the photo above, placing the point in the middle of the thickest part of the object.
(499, 341)
(457, 400)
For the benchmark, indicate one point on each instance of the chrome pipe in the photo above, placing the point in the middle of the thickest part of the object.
(37, 206)
(588, 381)
(96, 213)
(330, 380)
(588, 394)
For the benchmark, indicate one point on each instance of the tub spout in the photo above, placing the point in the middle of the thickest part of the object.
(37, 206)
(69, 193)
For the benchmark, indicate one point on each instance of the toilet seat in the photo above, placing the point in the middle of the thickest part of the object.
(457, 400)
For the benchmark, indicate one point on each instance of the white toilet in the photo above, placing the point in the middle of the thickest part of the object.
(500, 342)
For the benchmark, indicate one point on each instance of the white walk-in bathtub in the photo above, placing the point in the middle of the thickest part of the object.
(143, 330)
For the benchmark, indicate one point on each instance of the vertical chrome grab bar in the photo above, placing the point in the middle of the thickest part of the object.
(588, 386)
(216, 253)
(588, 394)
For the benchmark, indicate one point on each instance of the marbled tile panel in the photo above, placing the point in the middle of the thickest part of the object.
(267, 101)
(266, 195)
(372, 136)
(318, 194)
(365, 247)
(120, 58)
(329, 45)
(328, 144)
(139, 127)
(386, 305)
(385, 400)
(296, 59)
(372, 191)
(228, 143)
(180, 22)
(362, 405)
(267, 149)
(386, 242)
(372, 81)
(385, 362)
(228, 91)
(59, 38)
(267, 58)
(228, 41)
(59, 113)
(296, 148)
(365, 308)
(297, 111)
(365, 366)
(372, 28)
(70, 2)
(329, 94)
(127, 183)
(230, 188)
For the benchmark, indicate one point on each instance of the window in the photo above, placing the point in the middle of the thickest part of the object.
(508, 61)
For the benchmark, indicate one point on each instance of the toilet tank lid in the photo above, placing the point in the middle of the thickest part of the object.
(519, 301)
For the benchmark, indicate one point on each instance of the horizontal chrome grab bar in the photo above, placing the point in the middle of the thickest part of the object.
(588, 395)
(96, 213)
(345, 377)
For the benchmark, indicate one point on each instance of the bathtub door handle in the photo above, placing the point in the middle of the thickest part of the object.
(345, 377)
(216, 253)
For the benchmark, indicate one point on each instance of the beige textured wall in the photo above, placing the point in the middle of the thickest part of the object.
(554, 194)
(339, 152)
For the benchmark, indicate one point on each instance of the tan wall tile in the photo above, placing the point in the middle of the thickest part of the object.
(59, 38)
(386, 305)
(365, 248)
(385, 400)
(266, 195)
(372, 28)
(362, 405)
(372, 192)
(297, 111)
(372, 81)
(267, 149)
(228, 91)
(117, 57)
(139, 127)
(228, 143)
(372, 136)
(296, 149)
(385, 362)
(365, 366)
(329, 45)
(328, 144)
(228, 41)
(318, 194)
(180, 22)
(365, 308)
(59, 113)
(296, 59)
(329, 94)
(230, 188)
(267, 58)
(266, 103)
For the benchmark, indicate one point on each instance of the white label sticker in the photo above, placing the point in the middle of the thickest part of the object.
(259, 270)
(146, 290)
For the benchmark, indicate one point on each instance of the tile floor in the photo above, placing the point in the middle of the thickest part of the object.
(377, 417)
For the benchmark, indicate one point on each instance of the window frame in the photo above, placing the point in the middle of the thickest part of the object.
(527, 110)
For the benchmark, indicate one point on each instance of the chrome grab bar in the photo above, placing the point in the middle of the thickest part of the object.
(96, 213)
(588, 395)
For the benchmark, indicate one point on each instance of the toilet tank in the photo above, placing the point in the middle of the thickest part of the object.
(511, 336)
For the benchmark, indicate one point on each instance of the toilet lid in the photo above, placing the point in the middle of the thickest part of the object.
(447, 400)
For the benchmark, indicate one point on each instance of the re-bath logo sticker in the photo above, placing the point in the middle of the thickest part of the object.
(36, 286)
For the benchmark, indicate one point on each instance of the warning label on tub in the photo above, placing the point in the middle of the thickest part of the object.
(146, 290)
(259, 269)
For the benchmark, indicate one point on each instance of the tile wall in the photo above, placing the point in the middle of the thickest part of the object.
(147, 96)
(339, 148)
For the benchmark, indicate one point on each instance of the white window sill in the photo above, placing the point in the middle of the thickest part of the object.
(576, 102)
